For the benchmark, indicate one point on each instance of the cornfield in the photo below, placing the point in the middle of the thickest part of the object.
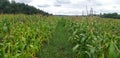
(36, 36)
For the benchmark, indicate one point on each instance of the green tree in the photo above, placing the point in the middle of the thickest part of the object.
(111, 15)
(15, 8)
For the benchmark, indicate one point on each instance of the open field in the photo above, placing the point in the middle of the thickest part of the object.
(35, 36)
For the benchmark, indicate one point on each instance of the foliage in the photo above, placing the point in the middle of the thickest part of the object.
(22, 36)
(35, 36)
(17, 8)
(111, 15)
(95, 38)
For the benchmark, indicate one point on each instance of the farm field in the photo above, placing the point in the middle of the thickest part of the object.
(36, 36)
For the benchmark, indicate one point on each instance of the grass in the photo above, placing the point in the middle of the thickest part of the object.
(35, 36)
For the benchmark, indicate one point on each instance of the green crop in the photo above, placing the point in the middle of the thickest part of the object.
(95, 38)
(35, 36)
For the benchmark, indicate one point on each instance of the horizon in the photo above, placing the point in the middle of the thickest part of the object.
(76, 7)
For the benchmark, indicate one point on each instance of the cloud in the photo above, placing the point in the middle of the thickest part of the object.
(59, 3)
(74, 7)
(117, 2)
(43, 5)
(56, 4)
(63, 1)
(23, 1)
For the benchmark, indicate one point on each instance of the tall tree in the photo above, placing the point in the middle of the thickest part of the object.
(16, 8)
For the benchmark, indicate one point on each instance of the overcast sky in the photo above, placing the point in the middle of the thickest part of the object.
(74, 7)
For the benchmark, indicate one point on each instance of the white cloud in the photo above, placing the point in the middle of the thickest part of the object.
(23, 1)
(74, 7)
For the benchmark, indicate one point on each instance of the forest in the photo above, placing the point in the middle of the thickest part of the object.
(110, 15)
(7, 7)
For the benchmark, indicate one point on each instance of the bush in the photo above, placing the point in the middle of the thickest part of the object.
(111, 15)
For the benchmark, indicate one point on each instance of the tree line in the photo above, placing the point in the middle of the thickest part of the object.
(110, 15)
(12, 7)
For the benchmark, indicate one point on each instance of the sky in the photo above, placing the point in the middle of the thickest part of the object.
(74, 7)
